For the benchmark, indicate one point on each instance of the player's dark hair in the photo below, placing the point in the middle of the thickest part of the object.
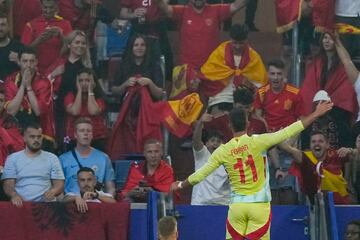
(238, 118)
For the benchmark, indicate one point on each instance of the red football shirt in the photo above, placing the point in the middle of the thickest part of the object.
(48, 51)
(42, 89)
(161, 180)
(256, 126)
(79, 18)
(24, 11)
(98, 122)
(199, 32)
(153, 13)
(281, 109)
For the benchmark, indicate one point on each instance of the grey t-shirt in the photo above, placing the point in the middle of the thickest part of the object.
(33, 174)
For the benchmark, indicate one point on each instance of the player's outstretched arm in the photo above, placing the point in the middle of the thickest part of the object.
(322, 108)
(294, 152)
(175, 186)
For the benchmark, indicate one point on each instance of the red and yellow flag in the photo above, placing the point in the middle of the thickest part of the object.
(184, 81)
(220, 68)
(344, 28)
(178, 116)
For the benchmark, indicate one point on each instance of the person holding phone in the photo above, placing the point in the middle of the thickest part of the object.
(153, 174)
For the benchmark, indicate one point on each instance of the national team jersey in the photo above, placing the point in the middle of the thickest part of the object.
(280, 109)
(245, 161)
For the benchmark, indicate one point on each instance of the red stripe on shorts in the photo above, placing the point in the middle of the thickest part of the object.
(261, 231)
(234, 234)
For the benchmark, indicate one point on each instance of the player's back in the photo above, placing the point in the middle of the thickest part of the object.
(245, 162)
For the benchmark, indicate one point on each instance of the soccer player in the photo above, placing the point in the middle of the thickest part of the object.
(244, 158)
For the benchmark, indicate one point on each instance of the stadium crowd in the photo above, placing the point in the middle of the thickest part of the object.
(59, 80)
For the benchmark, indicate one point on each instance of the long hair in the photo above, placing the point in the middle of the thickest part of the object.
(65, 50)
(98, 92)
(325, 72)
(128, 63)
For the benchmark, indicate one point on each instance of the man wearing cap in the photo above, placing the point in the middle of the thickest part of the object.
(337, 130)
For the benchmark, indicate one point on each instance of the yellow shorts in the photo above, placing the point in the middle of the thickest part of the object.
(248, 221)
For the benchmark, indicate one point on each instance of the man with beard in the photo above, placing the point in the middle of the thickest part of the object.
(321, 168)
(87, 183)
(199, 27)
(32, 174)
(9, 49)
(215, 189)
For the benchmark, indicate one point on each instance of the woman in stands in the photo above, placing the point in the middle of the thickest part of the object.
(86, 101)
(138, 82)
(74, 57)
(139, 67)
(326, 72)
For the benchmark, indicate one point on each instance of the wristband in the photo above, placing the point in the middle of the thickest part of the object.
(180, 185)
(91, 94)
(29, 89)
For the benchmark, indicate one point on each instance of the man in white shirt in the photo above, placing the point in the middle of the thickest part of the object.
(215, 189)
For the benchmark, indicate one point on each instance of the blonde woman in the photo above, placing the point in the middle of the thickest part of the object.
(75, 56)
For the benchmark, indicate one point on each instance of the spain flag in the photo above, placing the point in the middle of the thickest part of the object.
(220, 68)
(177, 116)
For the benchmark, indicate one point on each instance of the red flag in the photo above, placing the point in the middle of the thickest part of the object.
(136, 122)
(337, 85)
(323, 15)
(60, 221)
(288, 12)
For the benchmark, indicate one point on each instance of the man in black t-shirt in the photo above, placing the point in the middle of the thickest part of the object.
(9, 49)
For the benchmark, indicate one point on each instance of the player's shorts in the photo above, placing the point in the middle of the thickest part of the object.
(248, 221)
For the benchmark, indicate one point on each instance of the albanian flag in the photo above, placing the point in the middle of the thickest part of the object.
(61, 221)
